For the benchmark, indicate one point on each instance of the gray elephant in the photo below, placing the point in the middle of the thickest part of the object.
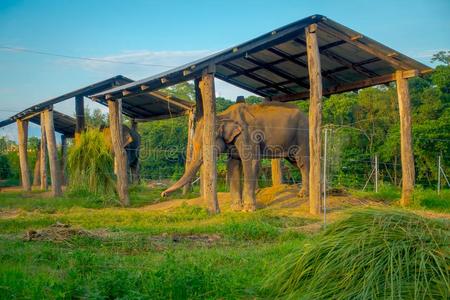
(248, 133)
(132, 143)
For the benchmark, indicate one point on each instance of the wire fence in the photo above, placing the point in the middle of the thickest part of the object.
(364, 170)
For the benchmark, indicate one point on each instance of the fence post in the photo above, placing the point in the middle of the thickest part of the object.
(325, 177)
(376, 173)
(439, 176)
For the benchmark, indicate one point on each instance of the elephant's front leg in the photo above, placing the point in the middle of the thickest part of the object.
(234, 170)
(250, 168)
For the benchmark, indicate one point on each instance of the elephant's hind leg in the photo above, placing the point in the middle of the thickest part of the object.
(234, 178)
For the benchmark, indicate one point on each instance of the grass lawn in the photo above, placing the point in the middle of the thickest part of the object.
(149, 251)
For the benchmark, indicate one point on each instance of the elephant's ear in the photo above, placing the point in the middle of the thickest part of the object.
(229, 130)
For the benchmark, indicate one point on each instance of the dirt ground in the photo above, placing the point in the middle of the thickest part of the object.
(282, 198)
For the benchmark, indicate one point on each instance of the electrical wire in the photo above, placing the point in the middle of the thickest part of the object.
(81, 57)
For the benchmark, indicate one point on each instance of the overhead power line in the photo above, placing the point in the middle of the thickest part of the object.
(81, 57)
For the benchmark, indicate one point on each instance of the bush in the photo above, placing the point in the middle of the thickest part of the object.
(90, 164)
(5, 168)
(372, 254)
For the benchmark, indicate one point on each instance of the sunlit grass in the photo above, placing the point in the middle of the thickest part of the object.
(373, 254)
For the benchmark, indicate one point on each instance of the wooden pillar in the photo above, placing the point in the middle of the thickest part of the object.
(315, 117)
(189, 146)
(55, 173)
(135, 172)
(43, 158)
(79, 112)
(407, 156)
(63, 158)
(115, 123)
(22, 130)
(198, 116)
(209, 142)
(37, 168)
(277, 172)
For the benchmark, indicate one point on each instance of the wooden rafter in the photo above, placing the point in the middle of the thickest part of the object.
(347, 87)
(356, 42)
(342, 60)
(278, 71)
(258, 78)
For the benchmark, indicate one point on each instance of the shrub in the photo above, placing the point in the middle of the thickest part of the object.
(370, 255)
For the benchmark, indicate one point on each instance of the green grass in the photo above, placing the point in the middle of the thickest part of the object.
(423, 198)
(137, 253)
(373, 254)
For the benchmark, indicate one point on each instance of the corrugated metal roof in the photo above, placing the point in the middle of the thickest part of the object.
(84, 91)
(274, 65)
(153, 106)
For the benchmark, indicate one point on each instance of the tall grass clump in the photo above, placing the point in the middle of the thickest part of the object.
(90, 164)
(373, 254)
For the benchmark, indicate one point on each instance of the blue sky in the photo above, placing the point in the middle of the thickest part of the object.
(175, 32)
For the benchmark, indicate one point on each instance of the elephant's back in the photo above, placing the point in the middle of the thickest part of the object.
(278, 112)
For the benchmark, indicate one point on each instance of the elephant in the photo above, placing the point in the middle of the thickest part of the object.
(248, 133)
(132, 143)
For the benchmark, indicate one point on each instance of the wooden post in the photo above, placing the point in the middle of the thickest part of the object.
(37, 168)
(115, 123)
(189, 146)
(55, 173)
(315, 117)
(22, 130)
(407, 155)
(209, 142)
(135, 177)
(277, 172)
(79, 112)
(198, 116)
(43, 159)
(63, 158)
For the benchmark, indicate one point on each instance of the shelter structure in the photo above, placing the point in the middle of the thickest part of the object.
(307, 59)
(52, 121)
(141, 108)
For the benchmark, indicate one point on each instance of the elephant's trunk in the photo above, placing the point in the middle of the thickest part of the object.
(186, 178)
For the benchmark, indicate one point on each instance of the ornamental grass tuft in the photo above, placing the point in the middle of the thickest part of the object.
(372, 254)
(90, 164)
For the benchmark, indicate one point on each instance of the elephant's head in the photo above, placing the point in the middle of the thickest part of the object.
(129, 136)
(227, 130)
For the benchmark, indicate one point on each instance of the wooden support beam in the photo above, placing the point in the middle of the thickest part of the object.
(22, 130)
(407, 156)
(160, 117)
(169, 99)
(135, 172)
(198, 116)
(115, 123)
(37, 168)
(315, 117)
(206, 86)
(347, 87)
(277, 172)
(189, 146)
(63, 159)
(79, 114)
(43, 159)
(55, 172)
